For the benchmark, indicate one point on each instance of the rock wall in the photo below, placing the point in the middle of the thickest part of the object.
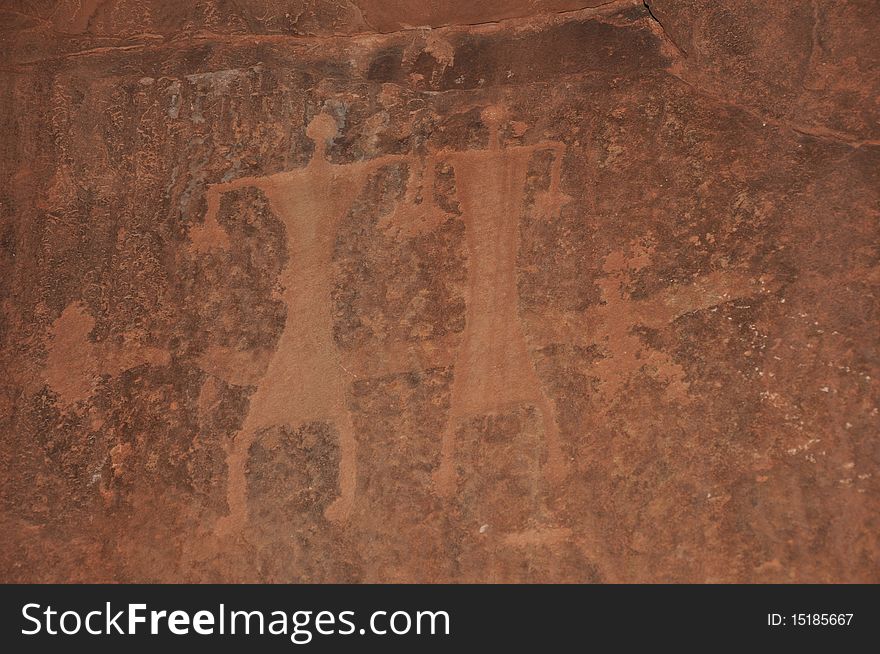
(561, 291)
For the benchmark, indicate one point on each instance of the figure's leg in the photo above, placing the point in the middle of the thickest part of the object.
(340, 509)
(236, 479)
(556, 467)
(445, 476)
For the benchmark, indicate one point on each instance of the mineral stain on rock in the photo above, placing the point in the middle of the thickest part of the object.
(439, 292)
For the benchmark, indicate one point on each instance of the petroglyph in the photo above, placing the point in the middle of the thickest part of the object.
(625, 354)
(403, 221)
(306, 377)
(493, 366)
(701, 310)
(74, 363)
(617, 316)
(305, 380)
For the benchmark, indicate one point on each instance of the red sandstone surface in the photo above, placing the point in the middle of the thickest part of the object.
(397, 291)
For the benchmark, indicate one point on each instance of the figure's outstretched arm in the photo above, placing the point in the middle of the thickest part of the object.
(241, 182)
(384, 160)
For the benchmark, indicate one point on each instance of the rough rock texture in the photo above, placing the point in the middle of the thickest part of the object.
(561, 291)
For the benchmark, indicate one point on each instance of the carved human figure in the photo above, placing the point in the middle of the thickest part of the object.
(493, 367)
(305, 380)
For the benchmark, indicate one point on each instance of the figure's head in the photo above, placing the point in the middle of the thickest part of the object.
(493, 116)
(321, 129)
